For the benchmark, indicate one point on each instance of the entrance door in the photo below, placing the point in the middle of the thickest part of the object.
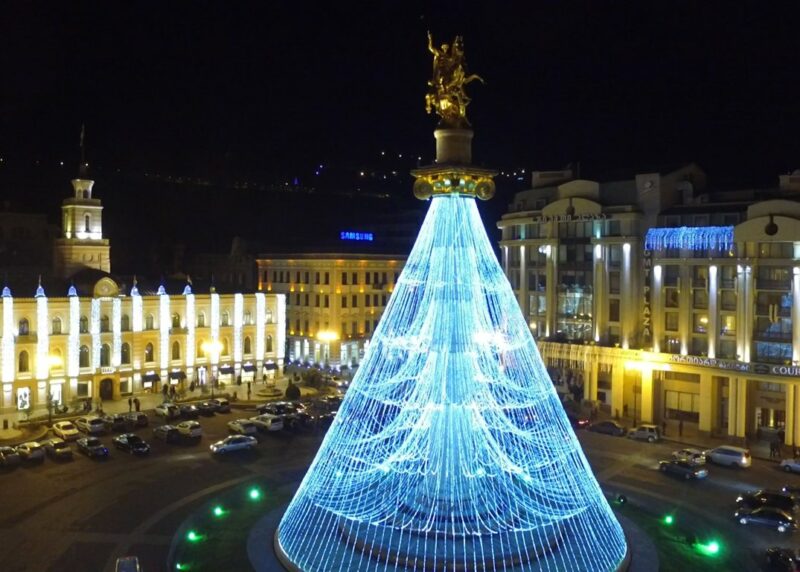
(107, 389)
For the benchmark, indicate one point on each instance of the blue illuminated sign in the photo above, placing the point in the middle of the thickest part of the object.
(351, 235)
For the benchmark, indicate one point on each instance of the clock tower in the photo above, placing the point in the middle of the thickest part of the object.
(81, 244)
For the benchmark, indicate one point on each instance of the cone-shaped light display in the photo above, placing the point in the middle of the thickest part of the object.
(451, 450)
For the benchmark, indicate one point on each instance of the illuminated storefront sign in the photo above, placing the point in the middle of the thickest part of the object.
(569, 218)
(764, 369)
(646, 328)
(360, 236)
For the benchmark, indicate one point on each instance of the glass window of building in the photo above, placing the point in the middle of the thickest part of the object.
(699, 298)
(125, 354)
(327, 278)
(615, 255)
(671, 321)
(148, 353)
(614, 228)
(149, 322)
(699, 346)
(56, 325)
(699, 323)
(613, 310)
(671, 298)
(344, 278)
(105, 355)
(671, 345)
(726, 349)
(699, 276)
(367, 278)
(613, 282)
(354, 277)
(727, 325)
(728, 300)
(354, 301)
(344, 301)
(125, 323)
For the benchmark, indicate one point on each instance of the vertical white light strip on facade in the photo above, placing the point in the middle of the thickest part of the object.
(238, 312)
(94, 329)
(214, 325)
(280, 327)
(191, 324)
(136, 304)
(116, 332)
(261, 315)
(796, 322)
(8, 337)
(74, 339)
(42, 337)
(713, 312)
(625, 298)
(655, 304)
(164, 325)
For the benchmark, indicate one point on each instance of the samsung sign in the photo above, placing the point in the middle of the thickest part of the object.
(351, 235)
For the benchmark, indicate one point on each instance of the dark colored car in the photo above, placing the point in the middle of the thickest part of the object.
(774, 499)
(683, 469)
(92, 447)
(293, 413)
(578, 421)
(167, 433)
(58, 449)
(118, 422)
(207, 408)
(189, 411)
(608, 428)
(778, 559)
(9, 457)
(131, 443)
(768, 516)
(138, 418)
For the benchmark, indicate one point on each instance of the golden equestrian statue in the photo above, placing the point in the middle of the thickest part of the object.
(447, 96)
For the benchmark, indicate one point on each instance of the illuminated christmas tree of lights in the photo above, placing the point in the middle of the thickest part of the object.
(451, 450)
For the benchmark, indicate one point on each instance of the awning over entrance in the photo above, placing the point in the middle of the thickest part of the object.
(270, 365)
(179, 375)
(248, 367)
(151, 377)
(226, 369)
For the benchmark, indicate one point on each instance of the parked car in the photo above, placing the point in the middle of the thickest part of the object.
(92, 447)
(234, 443)
(608, 428)
(127, 564)
(763, 497)
(222, 405)
(791, 465)
(131, 443)
(189, 411)
(682, 468)
(691, 456)
(767, 516)
(242, 426)
(190, 429)
(207, 408)
(139, 418)
(66, 430)
(167, 410)
(166, 433)
(336, 381)
(292, 413)
(31, 451)
(91, 424)
(730, 456)
(777, 559)
(118, 422)
(646, 432)
(9, 457)
(267, 422)
(58, 449)
(577, 420)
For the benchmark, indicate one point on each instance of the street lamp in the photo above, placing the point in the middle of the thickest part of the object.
(326, 337)
(212, 348)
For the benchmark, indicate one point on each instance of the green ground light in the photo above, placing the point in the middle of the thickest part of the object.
(669, 520)
(711, 548)
(254, 494)
(194, 536)
(218, 511)
(181, 566)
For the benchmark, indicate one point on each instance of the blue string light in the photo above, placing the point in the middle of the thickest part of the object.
(690, 238)
(451, 450)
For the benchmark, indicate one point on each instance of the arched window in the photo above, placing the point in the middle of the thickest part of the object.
(24, 364)
(24, 328)
(125, 323)
(148, 322)
(247, 348)
(125, 356)
(83, 325)
(176, 320)
(176, 350)
(104, 323)
(225, 346)
(201, 320)
(148, 353)
(56, 325)
(268, 317)
(83, 356)
(248, 319)
(226, 319)
(105, 355)
(87, 222)
(268, 344)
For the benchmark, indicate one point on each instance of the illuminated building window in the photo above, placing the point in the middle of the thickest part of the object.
(125, 323)
(225, 319)
(24, 327)
(700, 298)
(23, 365)
(56, 325)
(225, 347)
(176, 320)
(671, 321)
(268, 344)
(83, 357)
(671, 298)
(104, 327)
(148, 353)
(344, 278)
(105, 355)
(247, 345)
(176, 351)
(125, 354)
(201, 320)
(149, 322)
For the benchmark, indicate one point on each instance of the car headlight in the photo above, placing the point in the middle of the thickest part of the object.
(740, 498)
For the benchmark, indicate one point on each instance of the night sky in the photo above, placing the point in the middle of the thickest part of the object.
(268, 90)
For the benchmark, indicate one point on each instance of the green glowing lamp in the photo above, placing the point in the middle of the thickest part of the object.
(710, 548)
(194, 536)
(218, 511)
(669, 520)
(254, 493)
(182, 566)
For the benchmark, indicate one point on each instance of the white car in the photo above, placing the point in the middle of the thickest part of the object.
(66, 430)
(730, 456)
(190, 429)
(234, 443)
(167, 410)
(267, 422)
(242, 426)
(31, 451)
(91, 424)
(791, 465)
(691, 456)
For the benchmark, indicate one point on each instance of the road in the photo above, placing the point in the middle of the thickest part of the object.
(80, 515)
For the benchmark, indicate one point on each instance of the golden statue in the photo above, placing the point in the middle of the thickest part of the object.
(447, 96)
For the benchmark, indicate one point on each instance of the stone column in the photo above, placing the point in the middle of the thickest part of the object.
(792, 431)
(796, 314)
(656, 307)
(552, 288)
(626, 297)
(646, 395)
(733, 395)
(617, 387)
(685, 307)
(707, 409)
(741, 408)
(713, 311)
(744, 314)
(600, 297)
(524, 298)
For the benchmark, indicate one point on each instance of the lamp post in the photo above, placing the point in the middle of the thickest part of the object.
(326, 337)
(212, 349)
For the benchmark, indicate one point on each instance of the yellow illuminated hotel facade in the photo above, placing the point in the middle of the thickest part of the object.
(333, 301)
(663, 301)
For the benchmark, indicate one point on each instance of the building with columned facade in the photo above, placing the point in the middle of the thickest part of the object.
(664, 300)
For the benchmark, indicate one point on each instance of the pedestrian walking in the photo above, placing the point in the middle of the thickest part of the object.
(130, 404)
(248, 391)
(137, 403)
(680, 428)
(664, 428)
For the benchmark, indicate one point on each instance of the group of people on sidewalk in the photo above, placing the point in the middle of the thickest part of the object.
(133, 402)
